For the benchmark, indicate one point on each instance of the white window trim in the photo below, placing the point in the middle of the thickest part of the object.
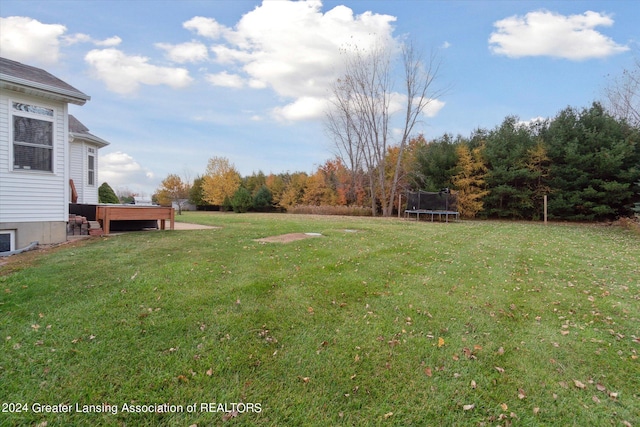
(91, 152)
(12, 238)
(54, 143)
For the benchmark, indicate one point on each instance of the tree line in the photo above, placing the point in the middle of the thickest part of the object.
(587, 161)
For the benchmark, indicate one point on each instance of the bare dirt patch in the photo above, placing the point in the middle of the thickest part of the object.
(17, 262)
(287, 238)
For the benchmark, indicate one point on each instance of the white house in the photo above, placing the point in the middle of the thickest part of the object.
(42, 149)
(83, 162)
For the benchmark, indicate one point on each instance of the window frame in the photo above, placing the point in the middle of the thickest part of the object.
(38, 112)
(91, 169)
(12, 239)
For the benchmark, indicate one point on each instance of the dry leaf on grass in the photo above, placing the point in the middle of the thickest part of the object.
(468, 407)
(579, 384)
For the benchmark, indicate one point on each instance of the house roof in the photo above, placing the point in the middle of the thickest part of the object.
(79, 131)
(36, 81)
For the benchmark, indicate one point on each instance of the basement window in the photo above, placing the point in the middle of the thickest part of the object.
(7, 240)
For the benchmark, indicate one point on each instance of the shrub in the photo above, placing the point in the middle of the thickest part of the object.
(263, 198)
(106, 194)
(241, 200)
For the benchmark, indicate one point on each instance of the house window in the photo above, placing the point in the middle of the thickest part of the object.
(7, 240)
(91, 167)
(32, 137)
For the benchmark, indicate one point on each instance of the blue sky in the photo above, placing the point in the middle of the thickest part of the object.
(174, 83)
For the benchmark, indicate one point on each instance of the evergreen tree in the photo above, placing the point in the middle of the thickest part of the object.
(196, 194)
(241, 200)
(435, 163)
(509, 178)
(594, 163)
(106, 194)
(263, 199)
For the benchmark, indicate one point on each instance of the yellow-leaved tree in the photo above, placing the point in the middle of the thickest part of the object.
(469, 181)
(173, 191)
(220, 181)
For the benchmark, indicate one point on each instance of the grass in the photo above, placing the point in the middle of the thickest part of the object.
(377, 322)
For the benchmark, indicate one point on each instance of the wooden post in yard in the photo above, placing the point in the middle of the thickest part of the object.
(545, 209)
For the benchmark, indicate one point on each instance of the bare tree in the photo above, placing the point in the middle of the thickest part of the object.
(623, 94)
(359, 119)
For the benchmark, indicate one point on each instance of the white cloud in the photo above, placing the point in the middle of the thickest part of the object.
(110, 42)
(303, 108)
(205, 27)
(31, 41)
(292, 47)
(538, 120)
(192, 51)
(125, 73)
(433, 108)
(120, 170)
(85, 38)
(28, 40)
(225, 79)
(544, 33)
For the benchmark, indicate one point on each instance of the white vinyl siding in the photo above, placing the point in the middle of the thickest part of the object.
(76, 168)
(31, 195)
(80, 151)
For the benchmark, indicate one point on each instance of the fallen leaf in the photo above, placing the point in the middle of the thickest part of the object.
(227, 416)
(499, 369)
(536, 410)
(473, 384)
(310, 310)
(440, 342)
(305, 379)
(468, 407)
(428, 372)
(564, 332)
(613, 395)
(521, 394)
(504, 406)
(501, 351)
(388, 415)
(600, 387)
(579, 384)
(595, 399)
(35, 327)
(209, 372)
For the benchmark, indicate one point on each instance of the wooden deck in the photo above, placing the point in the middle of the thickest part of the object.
(107, 213)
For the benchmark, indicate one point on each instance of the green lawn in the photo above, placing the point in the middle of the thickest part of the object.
(377, 322)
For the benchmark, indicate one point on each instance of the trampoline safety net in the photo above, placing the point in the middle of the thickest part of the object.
(423, 200)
